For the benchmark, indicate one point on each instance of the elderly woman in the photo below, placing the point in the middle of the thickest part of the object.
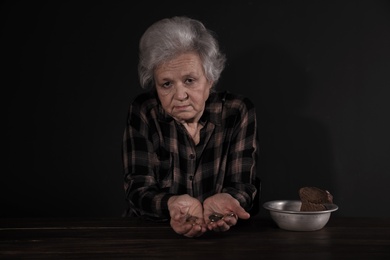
(189, 152)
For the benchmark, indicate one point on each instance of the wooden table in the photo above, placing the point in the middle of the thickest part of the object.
(257, 238)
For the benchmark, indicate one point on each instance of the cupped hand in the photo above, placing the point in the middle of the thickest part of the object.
(186, 215)
(228, 207)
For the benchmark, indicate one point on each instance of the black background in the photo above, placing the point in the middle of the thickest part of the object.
(317, 71)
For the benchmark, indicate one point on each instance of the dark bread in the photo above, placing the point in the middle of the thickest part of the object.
(313, 198)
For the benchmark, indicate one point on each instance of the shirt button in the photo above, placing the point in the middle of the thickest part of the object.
(192, 156)
(191, 177)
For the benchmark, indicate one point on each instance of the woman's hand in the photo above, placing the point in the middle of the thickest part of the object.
(186, 216)
(227, 210)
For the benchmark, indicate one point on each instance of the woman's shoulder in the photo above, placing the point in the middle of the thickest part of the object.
(235, 100)
(144, 105)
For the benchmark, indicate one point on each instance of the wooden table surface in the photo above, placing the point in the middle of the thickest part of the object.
(257, 238)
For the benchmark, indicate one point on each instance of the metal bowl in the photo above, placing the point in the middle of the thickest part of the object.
(287, 215)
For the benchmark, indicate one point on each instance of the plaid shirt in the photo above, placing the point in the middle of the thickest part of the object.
(161, 160)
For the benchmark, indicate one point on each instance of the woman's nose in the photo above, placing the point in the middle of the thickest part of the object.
(181, 93)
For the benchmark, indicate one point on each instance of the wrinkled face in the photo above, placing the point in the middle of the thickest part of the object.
(182, 87)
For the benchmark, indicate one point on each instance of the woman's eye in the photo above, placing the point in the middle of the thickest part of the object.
(166, 85)
(189, 81)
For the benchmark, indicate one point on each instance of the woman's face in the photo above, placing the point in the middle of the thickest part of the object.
(182, 87)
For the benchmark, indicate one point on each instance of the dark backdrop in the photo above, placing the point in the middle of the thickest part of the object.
(317, 71)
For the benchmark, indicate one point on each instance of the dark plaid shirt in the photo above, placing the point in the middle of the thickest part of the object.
(161, 160)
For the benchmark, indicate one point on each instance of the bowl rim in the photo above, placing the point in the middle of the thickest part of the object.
(330, 207)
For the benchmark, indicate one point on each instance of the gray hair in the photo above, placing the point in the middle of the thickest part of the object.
(167, 38)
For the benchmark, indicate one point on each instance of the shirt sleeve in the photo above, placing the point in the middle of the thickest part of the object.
(143, 195)
(241, 176)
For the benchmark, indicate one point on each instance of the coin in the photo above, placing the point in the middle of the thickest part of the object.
(215, 217)
(231, 215)
(191, 219)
